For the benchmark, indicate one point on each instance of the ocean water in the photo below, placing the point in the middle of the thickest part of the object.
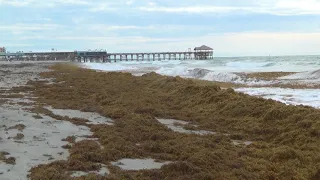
(306, 71)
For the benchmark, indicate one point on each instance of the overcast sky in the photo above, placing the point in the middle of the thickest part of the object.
(231, 27)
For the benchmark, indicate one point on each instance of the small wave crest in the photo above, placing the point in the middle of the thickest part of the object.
(269, 65)
(223, 77)
(107, 67)
(203, 74)
(249, 65)
(310, 75)
(199, 73)
(174, 71)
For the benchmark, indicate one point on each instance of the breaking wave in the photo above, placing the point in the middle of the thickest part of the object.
(231, 69)
(209, 75)
(309, 75)
(269, 64)
(249, 65)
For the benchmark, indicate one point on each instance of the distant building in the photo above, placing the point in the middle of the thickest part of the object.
(2, 53)
(89, 55)
(203, 52)
(2, 50)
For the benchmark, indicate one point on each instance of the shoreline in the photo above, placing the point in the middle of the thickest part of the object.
(240, 130)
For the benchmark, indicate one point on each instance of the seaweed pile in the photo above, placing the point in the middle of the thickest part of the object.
(286, 139)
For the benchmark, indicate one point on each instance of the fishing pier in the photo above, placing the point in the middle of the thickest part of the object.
(158, 56)
(198, 53)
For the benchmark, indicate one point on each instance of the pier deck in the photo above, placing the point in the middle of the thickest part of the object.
(199, 53)
(156, 56)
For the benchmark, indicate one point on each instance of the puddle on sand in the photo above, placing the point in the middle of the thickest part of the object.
(20, 100)
(237, 143)
(41, 143)
(139, 164)
(174, 126)
(102, 172)
(94, 118)
(83, 138)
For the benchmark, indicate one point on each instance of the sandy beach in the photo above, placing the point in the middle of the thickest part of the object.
(159, 90)
(65, 122)
(29, 139)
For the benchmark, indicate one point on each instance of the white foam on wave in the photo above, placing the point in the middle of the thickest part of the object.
(175, 71)
(307, 97)
(107, 66)
(234, 78)
(307, 73)
(222, 77)
(204, 74)
(303, 76)
(199, 73)
(223, 69)
(243, 64)
(272, 65)
(168, 69)
(248, 64)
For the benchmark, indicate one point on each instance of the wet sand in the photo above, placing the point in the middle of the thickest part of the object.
(30, 139)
